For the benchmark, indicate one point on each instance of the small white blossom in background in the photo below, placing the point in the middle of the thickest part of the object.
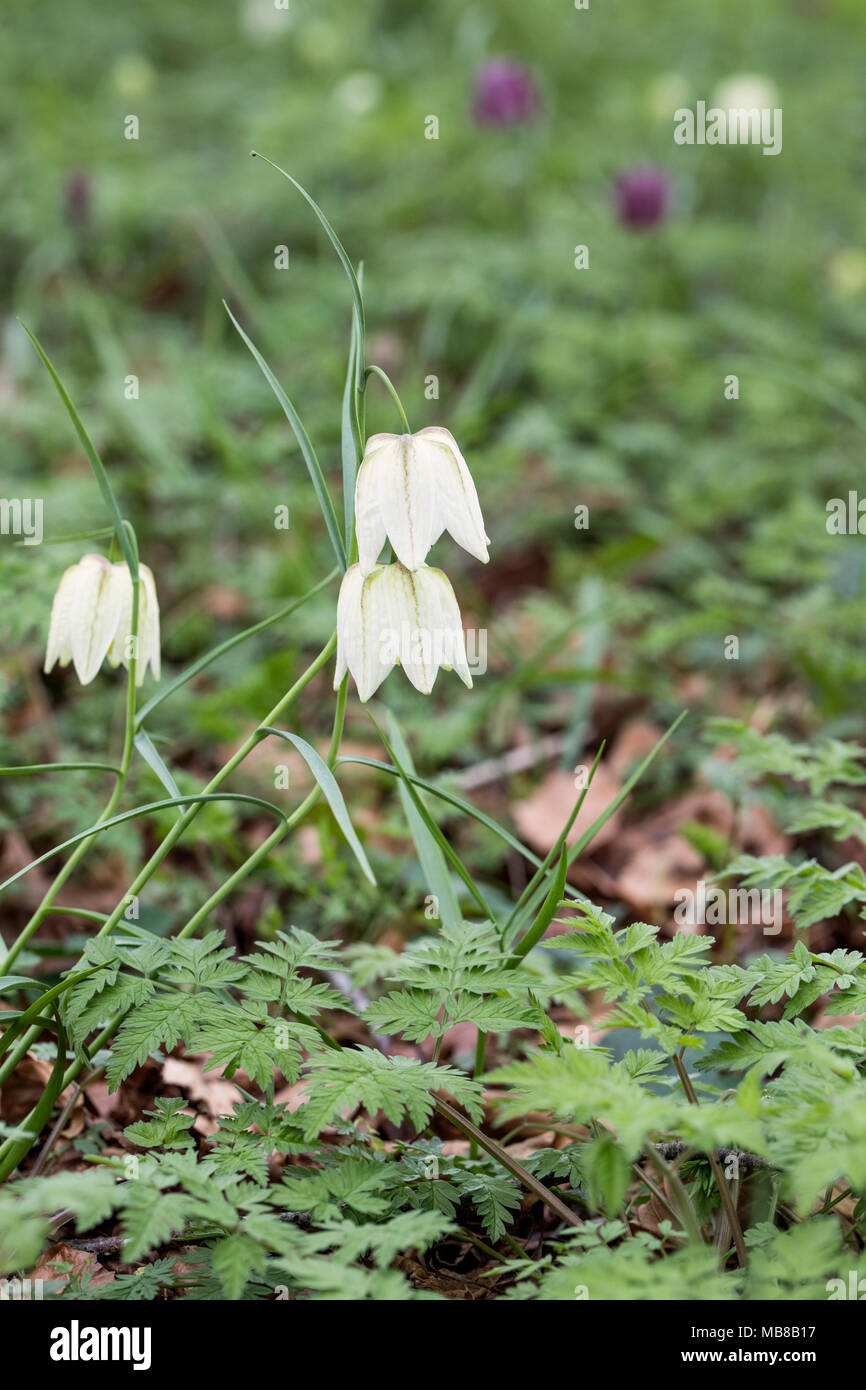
(846, 271)
(132, 76)
(746, 91)
(396, 616)
(262, 20)
(411, 488)
(91, 619)
(359, 93)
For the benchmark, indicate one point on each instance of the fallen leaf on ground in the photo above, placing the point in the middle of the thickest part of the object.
(84, 1264)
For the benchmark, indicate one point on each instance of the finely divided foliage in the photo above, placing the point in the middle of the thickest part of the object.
(702, 1139)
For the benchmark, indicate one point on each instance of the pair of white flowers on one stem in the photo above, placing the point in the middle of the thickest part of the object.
(410, 488)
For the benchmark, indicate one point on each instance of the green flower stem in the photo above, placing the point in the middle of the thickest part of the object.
(173, 835)
(478, 1072)
(672, 1178)
(276, 836)
(392, 390)
(532, 1184)
(729, 1206)
(555, 848)
(516, 1169)
(202, 662)
(241, 873)
(17, 1147)
(216, 781)
(122, 774)
(31, 769)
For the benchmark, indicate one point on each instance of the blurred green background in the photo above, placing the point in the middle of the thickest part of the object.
(602, 387)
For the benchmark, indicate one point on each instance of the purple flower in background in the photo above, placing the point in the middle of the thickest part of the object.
(643, 197)
(505, 93)
(76, 198)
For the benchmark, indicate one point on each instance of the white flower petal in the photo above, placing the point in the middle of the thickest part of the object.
(457, 505)
(148, 625)
(59, 646)
(412, 624)
(348, 621)
(94, 616)
(369, 522)
(442, 617)
(362, 616)
(121, 601)
(406, 498)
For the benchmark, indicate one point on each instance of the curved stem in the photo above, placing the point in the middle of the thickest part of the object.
(111, 805)
(263, 850)
(30, 769)
(383, 376)
(729, 1206)
(176, 831)
(276, 835)
(686, 1211)
(216, 781)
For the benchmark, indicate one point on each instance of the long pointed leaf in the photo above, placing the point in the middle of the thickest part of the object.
(38, 1005)
(590, 833)
(96, 463)
(331, 791)
(431, 858)
(458, 802)
(313, 468)
(14, 1150)
(332, 237)
(124, 816)
(30, 769)
(144, 744)
(547, 913)
(350, 439)
(521, 908)
(447, 850)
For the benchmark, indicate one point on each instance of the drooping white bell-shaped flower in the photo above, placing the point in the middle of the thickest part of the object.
(395, 616)
(411, 488)
(91, 619)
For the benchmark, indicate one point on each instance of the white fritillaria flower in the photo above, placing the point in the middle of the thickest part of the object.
(91, 619)
(746, 91)
(411, 488)
(397, 616)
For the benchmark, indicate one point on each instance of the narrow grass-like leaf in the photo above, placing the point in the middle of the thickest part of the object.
(96, 463)
(521, 908)
(590, 833)
(141, 811)
(458, 802)
(332, 237)
(331, 791)
(548, 910)
(99, 534)
(447, 850)
(10, 983)
(313, 467)
(39, 1006)
(430, 856)
(12, 1152)
(144, 744)
(350, 437)
(30, 769)
(531, 1183)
